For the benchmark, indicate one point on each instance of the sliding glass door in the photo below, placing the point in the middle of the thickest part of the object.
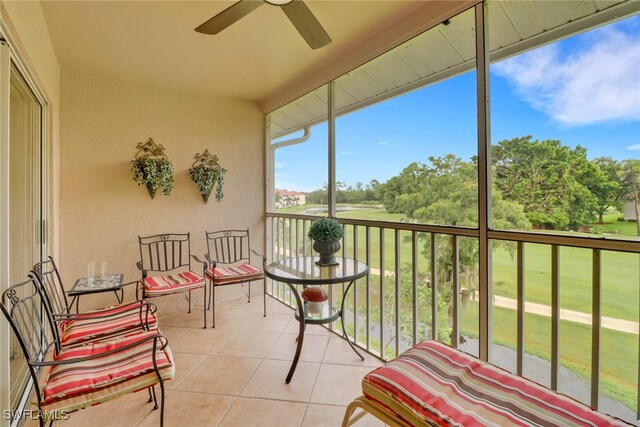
(25, 215)
(21, 197)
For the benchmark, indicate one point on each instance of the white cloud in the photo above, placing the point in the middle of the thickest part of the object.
(279, 165)
(347, 153)
(634, 147)
(594, 82)
(385, 143)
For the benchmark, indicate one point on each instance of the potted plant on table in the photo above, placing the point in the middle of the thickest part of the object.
(326, 234)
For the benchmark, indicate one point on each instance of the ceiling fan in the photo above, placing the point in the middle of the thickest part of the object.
(297, 12)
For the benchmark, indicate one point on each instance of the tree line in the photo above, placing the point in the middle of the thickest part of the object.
(536, 184)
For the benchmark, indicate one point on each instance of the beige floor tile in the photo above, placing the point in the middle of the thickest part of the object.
(247, 321)
(268, 381)
(331, 416)
(340, 353)
(185, 320)
(274, 322)
(255, 306)
(338, 384)
(127, 410)
(313, 348)
(190, 409)
(293, 328)
(275, 306)
(171, 332)
(220, 375)
(185, 364)
(246, 344)
(201, 341)
(264, 413)
(232, 320)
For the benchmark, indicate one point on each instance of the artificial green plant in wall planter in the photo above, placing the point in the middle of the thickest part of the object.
(152, 169)
(207, 173)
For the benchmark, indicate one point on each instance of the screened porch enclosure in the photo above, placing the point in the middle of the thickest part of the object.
(479, 169)
(455, 253)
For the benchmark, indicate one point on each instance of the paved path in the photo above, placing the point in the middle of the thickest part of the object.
(570, 315)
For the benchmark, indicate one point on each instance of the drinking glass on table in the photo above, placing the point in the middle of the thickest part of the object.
(91, 271)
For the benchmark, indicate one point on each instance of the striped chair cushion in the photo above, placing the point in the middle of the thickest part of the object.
(79, 385)
(433, 384)
(234, 274)
(171, 284)
(106, 323)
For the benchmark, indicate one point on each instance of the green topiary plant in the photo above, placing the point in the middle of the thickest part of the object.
(206, 178)
(154, 173)
(325, 230)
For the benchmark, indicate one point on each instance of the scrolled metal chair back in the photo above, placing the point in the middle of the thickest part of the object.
(228, 246)
(31, 322)
(55, 296)
(165, 252)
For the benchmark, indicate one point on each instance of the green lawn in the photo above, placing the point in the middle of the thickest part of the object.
(620, 271)
(618, 369)
(613, 224)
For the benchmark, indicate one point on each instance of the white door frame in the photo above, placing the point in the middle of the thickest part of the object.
(5, 70)
(8, 56)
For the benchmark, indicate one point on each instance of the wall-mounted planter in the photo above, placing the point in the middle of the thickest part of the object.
(207, 173)
(151, 168)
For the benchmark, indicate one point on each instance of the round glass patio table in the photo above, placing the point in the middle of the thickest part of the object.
(304, 271)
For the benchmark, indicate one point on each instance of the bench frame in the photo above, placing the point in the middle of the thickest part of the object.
(367, 406)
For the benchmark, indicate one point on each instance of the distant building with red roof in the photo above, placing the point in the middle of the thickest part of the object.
(287, 199)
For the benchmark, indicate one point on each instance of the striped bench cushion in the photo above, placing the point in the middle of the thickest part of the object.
(171, 284)
(433, 384)
(79, 385)
(122, 319)
(234, 274)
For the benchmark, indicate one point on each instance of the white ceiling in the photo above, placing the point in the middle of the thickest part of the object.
(448, 50)
(155, 42)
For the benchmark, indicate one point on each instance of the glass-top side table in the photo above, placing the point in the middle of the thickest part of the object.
(303, 271)
(94, 285)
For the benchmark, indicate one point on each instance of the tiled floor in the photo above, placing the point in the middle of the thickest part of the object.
(233, 375)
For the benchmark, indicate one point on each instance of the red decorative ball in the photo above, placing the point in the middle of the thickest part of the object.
(314, 294)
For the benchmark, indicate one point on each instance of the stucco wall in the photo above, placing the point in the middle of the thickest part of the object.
(27, 31)
(25, 28)
(103, 210)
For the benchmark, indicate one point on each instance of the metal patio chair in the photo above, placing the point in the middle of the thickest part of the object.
(165, 263)
(72, 378)
(229, 257)
(100, 324)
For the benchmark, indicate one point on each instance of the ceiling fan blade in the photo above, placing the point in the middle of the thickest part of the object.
(228, 16)
(306, 24)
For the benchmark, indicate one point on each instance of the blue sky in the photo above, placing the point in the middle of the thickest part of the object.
(584, 90)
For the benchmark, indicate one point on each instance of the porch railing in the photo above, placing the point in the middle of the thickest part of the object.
(423, 284)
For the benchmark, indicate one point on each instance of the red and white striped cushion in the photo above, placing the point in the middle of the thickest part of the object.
(234, 274)
(79, 385)
(171, 284)
(435, 385)
(122, 319)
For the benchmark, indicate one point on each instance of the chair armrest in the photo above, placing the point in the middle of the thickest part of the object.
(264, 258)
(211, 262)
(204, 263)
(164, 342)
(140, 267)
